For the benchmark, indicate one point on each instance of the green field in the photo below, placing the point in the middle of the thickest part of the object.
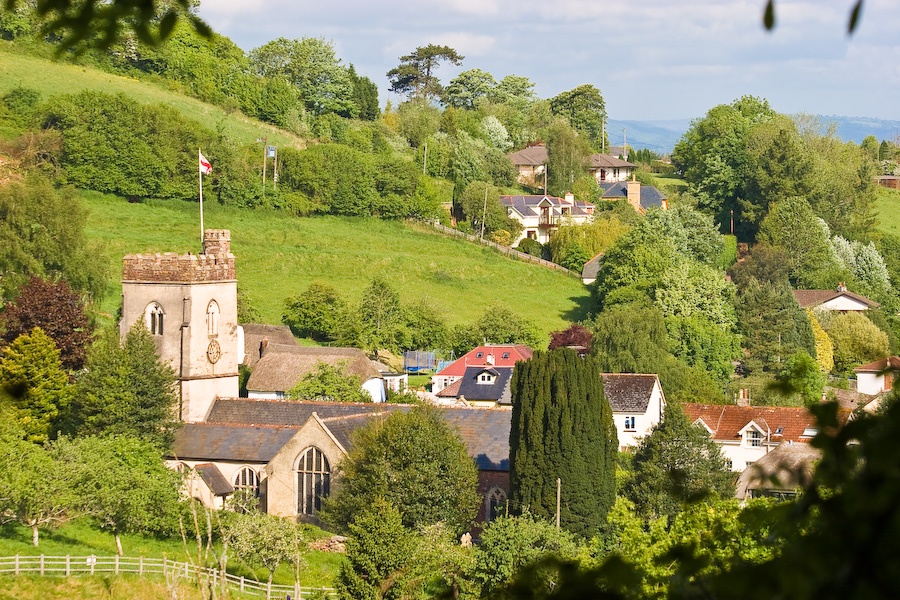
(51, 78)
(278, 256)
(79, 538)
(887, 204)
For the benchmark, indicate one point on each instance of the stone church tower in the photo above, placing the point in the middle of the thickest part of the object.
(189, 305)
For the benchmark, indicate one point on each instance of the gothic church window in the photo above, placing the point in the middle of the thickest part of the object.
(313, 481)
(496, 504)
(212, 318)
(154, 316)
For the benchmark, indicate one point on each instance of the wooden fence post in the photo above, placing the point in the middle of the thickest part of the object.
(68, 565)
(42, 565)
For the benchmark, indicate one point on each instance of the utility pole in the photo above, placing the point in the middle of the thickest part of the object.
(425, 160)
(275, 171)
(264, 141)
(484, 212)
(603, 136)
(558, 496)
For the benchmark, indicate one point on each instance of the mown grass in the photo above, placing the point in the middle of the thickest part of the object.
(80, 538)
(279, 255)
(887, 203)
(52, 78)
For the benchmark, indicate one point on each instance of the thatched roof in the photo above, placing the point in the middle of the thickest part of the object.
(787, 468)
(281, 367)
(258, 335)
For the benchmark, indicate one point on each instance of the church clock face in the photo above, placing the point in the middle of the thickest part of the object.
(214, 352)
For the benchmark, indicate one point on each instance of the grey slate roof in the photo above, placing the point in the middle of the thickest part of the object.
(234, 443)
(213, 478)
(628, 392)
(527, 206)
(498, 391)
(650, 196)
(484, 431)
(592, 267)
(283, 366)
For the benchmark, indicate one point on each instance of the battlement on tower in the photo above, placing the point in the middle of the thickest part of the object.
(215, 264)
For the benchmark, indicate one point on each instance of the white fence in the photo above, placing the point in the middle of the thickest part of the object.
(72, 566)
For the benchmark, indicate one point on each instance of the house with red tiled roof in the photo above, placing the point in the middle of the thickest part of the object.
(839, 300)
(747, 433)
(496, 357)
(876, 377)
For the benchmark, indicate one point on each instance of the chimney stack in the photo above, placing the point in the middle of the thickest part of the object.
(263, 345)
(633, 193)
(570, 198)
(743, 398)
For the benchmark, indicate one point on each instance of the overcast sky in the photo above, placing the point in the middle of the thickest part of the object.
(651, 59)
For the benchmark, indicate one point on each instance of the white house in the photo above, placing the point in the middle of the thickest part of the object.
(637, 403)
(839, 300)
(876, 377)
(747, 433)
(541, 215)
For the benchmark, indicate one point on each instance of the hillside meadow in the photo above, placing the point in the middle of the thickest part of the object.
(51, 78)
(278, 256)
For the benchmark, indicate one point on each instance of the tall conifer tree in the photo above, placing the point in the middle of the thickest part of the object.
(562, 427)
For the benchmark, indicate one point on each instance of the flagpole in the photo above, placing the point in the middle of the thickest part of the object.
(200, 175)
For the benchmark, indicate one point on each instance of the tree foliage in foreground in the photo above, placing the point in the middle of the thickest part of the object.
(562, 427)
(416, 462)
(329, 383)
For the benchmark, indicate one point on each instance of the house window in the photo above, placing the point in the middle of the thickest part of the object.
(629, 423)
(479, 354)
(212, 318)
(153, 317)
(754, 438)
(728, 464)
(531, 234)
(485, 378)
(495, 504)
(313, 481)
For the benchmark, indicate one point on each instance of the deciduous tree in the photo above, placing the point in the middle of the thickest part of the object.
(317, 313)
(497, 325)
(58, 310)
(677, 463)
(329, 383)
(414, 461)
(585, 110)
(266, 540)
(562, 429)
(469, 88)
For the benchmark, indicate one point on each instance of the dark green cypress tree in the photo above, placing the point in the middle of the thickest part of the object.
(562, 428)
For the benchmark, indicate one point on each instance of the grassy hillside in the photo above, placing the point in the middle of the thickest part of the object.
(279, 256)
(51, 78)
(888, 206)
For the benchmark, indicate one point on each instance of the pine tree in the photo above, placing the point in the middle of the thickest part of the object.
(39, 386)
(126, 390)
(562, 428)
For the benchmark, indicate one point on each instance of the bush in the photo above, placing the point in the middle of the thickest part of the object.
(531, 246)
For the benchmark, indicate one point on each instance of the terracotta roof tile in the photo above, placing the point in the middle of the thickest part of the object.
(504, 355)
(782, 423)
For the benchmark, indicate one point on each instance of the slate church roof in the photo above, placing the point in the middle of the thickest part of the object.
(252, 430)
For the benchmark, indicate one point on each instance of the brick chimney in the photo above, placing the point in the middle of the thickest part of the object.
(570, 198)
(216, 242)
(743, 397)
(633, 193)
(263, 346)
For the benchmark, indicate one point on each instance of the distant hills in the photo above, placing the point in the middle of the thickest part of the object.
(661, 136)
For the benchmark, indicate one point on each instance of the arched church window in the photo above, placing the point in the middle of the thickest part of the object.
(212, 318)
(247, 481)
(495, 504)
(154, 317)
(313, 481)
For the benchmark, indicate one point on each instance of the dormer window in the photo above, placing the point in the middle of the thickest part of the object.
(809, 432)
(486, 378)
(754, 438)
(153, 318)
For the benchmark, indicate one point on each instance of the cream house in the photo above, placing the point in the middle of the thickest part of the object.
(747, 433)
(540, 216)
